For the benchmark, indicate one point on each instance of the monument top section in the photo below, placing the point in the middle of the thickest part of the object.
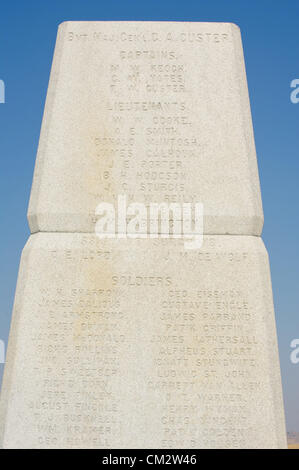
(156, 111)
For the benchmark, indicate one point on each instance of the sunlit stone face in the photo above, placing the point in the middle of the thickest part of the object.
(140, 342)
(158, 112)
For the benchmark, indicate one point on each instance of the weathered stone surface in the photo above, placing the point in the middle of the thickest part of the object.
(113, 346)
(127, 343)
(158, 111)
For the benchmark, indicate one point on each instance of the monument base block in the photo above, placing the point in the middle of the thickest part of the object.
(142, 344)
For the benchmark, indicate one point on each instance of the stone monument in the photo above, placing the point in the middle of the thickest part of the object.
(130, 342)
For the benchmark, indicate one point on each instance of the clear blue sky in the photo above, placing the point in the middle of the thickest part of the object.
(270, 31)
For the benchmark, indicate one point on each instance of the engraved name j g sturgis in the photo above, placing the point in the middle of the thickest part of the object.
(132, 221)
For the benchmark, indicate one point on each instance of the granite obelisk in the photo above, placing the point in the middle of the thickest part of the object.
(137, 342)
